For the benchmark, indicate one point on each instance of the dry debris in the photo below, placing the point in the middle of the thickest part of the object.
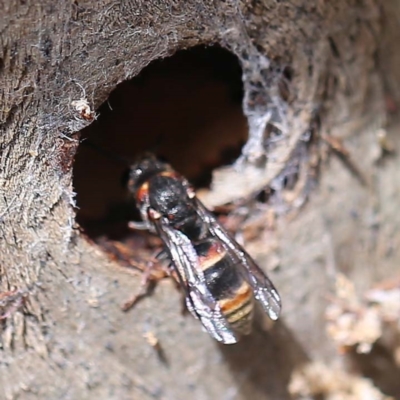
(361, 321)
(154, 342)
(82, 106)
(318, 380)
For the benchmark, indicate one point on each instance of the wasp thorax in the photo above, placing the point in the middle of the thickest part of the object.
(168, 196)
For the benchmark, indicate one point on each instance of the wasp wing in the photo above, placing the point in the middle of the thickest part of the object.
(264, 290)
(199, 300)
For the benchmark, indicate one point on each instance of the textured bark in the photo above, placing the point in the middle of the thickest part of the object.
(66, 336)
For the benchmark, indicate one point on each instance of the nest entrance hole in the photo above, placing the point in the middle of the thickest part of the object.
(185, 109)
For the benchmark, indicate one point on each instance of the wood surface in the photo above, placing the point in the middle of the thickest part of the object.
(330, 69)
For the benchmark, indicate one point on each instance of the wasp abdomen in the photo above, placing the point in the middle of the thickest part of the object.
(226, 285)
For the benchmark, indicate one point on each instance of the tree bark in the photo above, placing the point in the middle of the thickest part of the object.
(321, 74)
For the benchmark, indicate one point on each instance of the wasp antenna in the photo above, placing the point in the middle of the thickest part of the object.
(107, 153)
(157, 144)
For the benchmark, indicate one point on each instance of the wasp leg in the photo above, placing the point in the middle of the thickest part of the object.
(147, 285)
(151, 274)
(163, 256)
(138, 226)
(165, 259)
(183, 300)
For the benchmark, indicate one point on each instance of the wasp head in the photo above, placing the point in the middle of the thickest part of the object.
(143, 170)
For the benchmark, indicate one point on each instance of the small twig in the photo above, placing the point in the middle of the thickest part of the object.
(344, 155)
(10, 302)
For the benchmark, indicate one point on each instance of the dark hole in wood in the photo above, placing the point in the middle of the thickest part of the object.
(185, 108)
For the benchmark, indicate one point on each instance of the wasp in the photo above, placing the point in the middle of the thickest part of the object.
(220, 280)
